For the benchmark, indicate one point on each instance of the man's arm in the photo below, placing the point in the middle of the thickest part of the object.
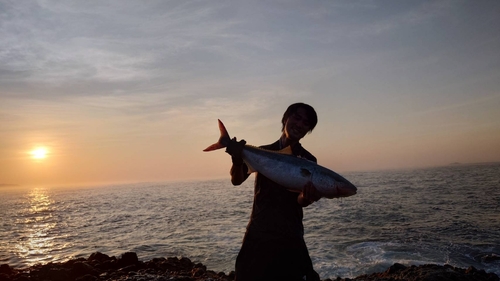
(239, 173)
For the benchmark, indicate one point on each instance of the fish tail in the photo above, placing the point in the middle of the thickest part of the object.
(223, 140)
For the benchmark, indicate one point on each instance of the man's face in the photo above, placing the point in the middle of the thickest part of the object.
(297, 125)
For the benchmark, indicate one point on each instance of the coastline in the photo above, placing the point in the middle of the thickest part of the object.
(101, 267)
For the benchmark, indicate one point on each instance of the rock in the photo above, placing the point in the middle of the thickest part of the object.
(69, 264)
(197, 272)
(102, 267)
(128, 258)
(5, 268)
(97, 256)
(87, 277)
(83, 268)
(4, 277)
(181, 278)
(491, 258)
(55, 274)
(430, 272)
(105, 265)
(129, 268)
(22, 278)
(394, 268)
(186, 262)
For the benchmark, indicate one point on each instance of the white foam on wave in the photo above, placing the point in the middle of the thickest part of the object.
(368, 257)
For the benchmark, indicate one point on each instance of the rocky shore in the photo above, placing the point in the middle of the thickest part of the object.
(127, 267)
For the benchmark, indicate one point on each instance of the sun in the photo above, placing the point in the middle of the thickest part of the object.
(39, 153)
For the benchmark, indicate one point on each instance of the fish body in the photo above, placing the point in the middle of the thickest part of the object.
(288, 170)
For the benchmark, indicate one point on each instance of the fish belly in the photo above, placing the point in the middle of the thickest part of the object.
(282, 169)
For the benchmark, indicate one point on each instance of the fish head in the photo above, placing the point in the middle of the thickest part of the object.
(340, 189)
(335, 186)
(345, 189)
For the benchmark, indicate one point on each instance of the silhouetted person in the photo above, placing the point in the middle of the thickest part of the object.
(274, 247)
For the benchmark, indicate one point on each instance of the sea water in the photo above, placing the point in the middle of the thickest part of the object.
(442, 215)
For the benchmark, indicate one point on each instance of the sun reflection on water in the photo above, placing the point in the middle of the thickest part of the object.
(36, 238)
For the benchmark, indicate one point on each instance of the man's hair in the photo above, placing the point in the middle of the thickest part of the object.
(310, 112)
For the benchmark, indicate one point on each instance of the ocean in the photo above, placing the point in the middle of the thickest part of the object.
(441, 215)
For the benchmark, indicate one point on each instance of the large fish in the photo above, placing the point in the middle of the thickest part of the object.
(288, 170)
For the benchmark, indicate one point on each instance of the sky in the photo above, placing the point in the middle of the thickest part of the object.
(130, 91)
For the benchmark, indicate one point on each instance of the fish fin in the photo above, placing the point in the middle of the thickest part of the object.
(250, 168)
(223, 140)
(287, 150)
(305, 172)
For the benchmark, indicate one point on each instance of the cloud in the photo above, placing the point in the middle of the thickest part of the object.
(53, 42)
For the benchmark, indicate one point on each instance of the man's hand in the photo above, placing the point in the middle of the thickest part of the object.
(238, 170)
(234, 148)
(308, 195)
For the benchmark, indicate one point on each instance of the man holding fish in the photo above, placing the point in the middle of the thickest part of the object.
(274, 247)
(287, 180)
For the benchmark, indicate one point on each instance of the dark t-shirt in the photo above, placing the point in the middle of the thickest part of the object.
(274, 247)
(275, 210)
